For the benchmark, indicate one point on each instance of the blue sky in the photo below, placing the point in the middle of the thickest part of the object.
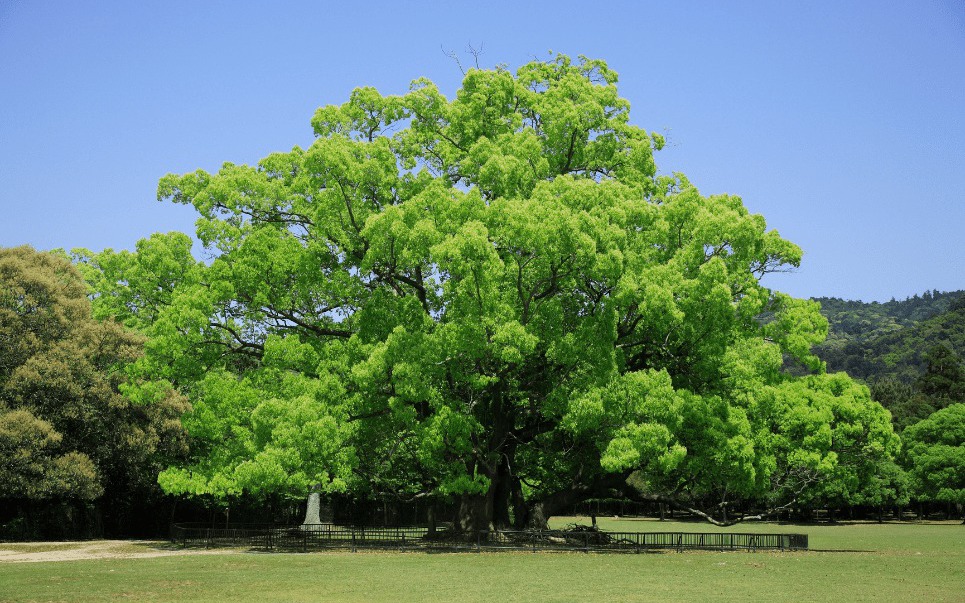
(843, 123)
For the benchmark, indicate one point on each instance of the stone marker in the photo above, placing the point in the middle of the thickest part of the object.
(314, 505)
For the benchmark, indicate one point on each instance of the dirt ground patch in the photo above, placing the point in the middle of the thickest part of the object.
(32, 552)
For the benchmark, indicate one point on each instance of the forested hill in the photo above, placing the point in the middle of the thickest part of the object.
(874, 341)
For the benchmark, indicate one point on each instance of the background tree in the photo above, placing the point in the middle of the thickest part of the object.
(935, 449)
(493, 298)
(944, 376)
(67, 431)
(902, 400)
(31, 468)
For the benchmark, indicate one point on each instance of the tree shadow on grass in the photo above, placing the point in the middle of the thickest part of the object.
(841, 551)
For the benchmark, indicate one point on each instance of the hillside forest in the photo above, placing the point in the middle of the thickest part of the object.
(909, 352)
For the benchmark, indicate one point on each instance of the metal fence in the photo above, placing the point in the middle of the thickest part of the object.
(330, 536)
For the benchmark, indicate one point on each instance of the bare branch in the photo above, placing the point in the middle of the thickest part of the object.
(452, 55)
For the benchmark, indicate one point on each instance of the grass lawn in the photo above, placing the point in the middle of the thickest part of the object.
(851, 562)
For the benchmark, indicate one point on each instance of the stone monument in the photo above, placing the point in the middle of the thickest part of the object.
(312, 516)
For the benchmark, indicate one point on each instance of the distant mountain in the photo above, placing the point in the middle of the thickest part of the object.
(874, 341)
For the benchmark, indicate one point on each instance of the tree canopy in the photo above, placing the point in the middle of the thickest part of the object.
(495, 298)
(67, 430)
(936, 451)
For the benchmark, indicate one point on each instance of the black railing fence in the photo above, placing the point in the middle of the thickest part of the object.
(329, 536)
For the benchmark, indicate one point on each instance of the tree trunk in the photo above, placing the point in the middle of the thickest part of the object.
(540, 511)
(501, 495)
(520, 509)
(495, 509)
(174, 508)
(475, 513)
(538, 516)
(431, 518)
(492, 510)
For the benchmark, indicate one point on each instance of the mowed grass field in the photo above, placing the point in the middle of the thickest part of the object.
(848, 562)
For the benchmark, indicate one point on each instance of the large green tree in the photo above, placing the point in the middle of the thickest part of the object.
(68, 432)
(496, 298)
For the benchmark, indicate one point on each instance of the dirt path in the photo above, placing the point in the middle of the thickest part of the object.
(32, 552)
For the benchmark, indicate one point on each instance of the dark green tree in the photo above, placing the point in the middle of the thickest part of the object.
(906, 405)
(67, 430)
(944, 377)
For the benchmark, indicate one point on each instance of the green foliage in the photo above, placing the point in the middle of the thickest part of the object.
(493, 297)
(944, 376)
(865, 321)
(935, 448)
(66, 429)
(891, 340)
(31, 468)
(908, 351)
